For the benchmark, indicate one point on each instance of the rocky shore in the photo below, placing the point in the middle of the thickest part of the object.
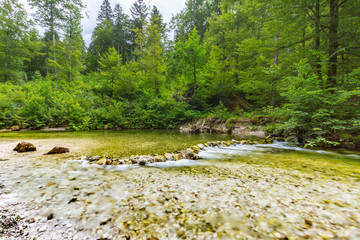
(243, 127)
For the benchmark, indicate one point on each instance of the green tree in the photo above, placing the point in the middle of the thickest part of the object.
(71, 47)
(110, 68)
(105, 11)
(152, 58)
(139, 12)
(50, 15)
(195, 14)
(192, 59)
(121, 33)
(101, 41)
(13, 28)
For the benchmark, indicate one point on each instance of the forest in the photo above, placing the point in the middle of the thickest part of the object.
(296, 63)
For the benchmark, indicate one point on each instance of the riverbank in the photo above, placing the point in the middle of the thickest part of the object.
(252, 191)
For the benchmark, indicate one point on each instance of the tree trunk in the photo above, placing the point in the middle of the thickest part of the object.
(276, 54)
(276, 63)
(317, 38)
(194, 73)
(6, 55)
(333, 43)
(70, 66)
(70, 49)
(53, 42)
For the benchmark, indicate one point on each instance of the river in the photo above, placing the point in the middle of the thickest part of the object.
(262, 191)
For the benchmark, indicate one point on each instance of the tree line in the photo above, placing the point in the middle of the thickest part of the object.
(296, 62)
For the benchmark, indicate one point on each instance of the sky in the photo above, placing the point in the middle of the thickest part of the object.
(168, 8)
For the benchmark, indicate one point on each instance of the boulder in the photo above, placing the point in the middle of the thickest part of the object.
(25, 147)
(58, 150)
(15, 128)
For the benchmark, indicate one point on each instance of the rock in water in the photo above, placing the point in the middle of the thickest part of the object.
(58, 150)
(186, 154)
(25, 147)
(160, 158)
(142, 161)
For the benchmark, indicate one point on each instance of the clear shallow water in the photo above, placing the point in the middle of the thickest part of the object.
(114, 143)
(253, 191)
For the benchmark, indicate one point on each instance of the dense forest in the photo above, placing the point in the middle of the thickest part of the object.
(295, 62)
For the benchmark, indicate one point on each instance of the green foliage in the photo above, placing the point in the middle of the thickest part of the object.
(296, 74)
(221, 112)
(315, 115)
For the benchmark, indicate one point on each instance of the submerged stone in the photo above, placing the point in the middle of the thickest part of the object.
(93, 158)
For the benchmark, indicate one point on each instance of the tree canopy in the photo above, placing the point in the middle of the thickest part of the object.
(294, 61)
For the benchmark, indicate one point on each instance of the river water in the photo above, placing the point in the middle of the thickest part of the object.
(272, 191)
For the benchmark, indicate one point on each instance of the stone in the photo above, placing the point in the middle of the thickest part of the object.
(169, 156)
(195, 149)
(186, 154)
(160, 158)
(15, 128)
(201, 146)
(25, 147)
(58, 150)
(50, 217)
(142, 161)
(134, 159)
(104, 161)
(150, 159)
(93, 158)
(177, 157)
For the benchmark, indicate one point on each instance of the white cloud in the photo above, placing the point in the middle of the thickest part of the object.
(166, 7)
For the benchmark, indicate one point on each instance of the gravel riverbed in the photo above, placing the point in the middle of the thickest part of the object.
(222, 199)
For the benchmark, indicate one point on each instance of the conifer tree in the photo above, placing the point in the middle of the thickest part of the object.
(105, 11)
(13, 24)
(50, 15)
(121, 33)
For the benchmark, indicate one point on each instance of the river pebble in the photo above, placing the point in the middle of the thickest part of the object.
(213, 200)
